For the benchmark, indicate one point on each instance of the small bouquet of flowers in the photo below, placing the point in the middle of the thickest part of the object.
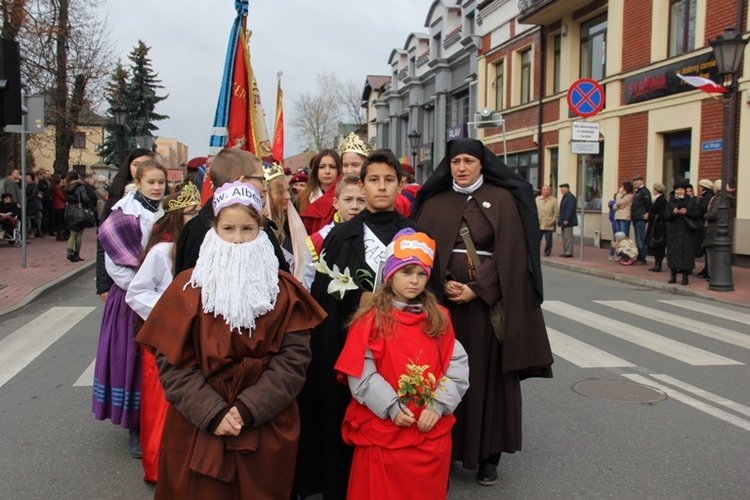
(417, 389)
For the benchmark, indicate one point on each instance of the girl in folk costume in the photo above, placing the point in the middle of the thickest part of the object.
(231, 339)
(123, 236)
(287, 225)
(153, 277)
(407, 373)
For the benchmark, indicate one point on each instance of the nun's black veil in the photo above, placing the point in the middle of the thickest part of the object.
(495, 172)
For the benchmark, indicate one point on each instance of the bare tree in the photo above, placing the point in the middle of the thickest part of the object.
(316, 116)
(67, 58)
(349, 95)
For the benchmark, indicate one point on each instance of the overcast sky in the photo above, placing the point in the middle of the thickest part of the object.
(302, 38)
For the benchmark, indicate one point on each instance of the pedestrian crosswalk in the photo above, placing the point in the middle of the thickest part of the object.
(21, 347)
(616, 335)
(672, 348)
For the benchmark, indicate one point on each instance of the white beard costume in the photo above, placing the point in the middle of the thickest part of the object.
(238, 281)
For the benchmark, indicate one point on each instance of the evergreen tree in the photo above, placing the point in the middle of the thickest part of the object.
(119, 139)
(140, 93)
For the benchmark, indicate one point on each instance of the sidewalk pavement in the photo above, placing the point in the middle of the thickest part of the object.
(596, 263)
(47, 268)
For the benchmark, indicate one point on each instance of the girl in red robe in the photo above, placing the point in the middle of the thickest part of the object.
(407, 373)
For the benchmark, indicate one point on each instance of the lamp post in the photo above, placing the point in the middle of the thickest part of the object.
(120, 115)
(728, 49)
(414, 138)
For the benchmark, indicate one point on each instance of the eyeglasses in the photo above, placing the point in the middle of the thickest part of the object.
(261, 179)
(191, 214)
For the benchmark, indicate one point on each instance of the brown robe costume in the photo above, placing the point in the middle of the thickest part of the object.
(489, 418)
(205, 367)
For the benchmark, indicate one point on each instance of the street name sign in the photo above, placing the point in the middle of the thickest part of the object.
(708, 146)
(586, 131)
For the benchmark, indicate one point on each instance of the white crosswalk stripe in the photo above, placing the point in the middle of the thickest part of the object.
(21, 347)
(581, 354)
(681, 322)
(87, 378)
(690, 401)
(648, 340)
(719, 312)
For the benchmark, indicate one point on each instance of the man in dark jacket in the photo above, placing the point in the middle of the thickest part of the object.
(638, 214)
(567, 219)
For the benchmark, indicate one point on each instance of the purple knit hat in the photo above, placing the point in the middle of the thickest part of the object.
(409, 247)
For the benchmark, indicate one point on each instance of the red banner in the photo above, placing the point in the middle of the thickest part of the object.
(278, 134)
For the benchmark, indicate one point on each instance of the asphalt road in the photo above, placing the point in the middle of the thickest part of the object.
(623, 341)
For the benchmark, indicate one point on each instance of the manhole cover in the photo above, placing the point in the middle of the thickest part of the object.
(620, 391)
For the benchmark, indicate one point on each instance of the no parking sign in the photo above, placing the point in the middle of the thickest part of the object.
(586, 97)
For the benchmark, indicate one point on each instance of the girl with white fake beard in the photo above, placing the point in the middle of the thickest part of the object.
(232, 342)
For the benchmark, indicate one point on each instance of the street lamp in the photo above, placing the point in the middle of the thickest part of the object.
(145, 141)
(120, 114)
(728, 49)
(414, 138)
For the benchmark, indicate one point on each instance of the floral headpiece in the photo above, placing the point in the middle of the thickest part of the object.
(353, 144)
(189, 197)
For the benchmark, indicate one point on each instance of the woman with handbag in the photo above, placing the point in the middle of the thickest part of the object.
(77, 201)
(473, 204)
(656, 231)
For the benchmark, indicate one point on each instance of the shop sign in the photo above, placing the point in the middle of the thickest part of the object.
(457, 132)
(663, 81)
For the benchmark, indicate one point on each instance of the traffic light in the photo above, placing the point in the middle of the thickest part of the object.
(10, 83)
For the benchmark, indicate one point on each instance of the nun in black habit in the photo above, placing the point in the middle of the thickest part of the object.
(472, 185)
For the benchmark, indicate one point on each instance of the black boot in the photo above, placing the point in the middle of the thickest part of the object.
(77, 257)
(685, 280)
(673, 277)
(703, 274)
(71, 255)
(134, 443)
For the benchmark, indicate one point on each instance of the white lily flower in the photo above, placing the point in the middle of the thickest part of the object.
(341, 282)
(320, 266)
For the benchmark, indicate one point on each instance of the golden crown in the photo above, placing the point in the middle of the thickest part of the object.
(353, 144)
(189, 196)
(275, 170)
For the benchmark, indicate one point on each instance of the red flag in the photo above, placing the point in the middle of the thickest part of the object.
(278, 134)
(704, 84)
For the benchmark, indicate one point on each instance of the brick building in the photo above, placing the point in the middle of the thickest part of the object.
(652, 123)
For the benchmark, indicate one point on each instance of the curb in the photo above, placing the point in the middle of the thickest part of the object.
(48, 287)
(634, 280)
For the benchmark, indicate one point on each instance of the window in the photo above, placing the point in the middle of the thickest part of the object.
(594, 48)
(499, 85)
(412, 66)
(525, 76)
(592, 198)
(469, 23)
(79, 140)
(526, 165)
(429, 117)
(553, 165)
(556, 64)
(437, 45)
(681, 26)
(457, 110)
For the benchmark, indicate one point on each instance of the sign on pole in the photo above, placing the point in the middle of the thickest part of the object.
(585, 131)
(584, 148)
(586, 97)
(34, 117)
